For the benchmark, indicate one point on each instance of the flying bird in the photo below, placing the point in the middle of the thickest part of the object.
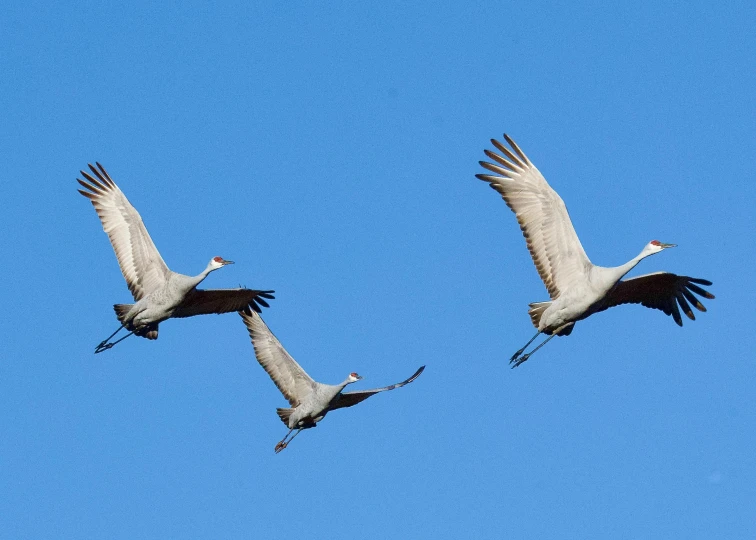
(577, 287)
(159, 293)
(310, 400)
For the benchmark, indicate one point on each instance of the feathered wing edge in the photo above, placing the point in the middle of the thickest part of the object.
(664, 291)
(141, 264)
(510, 171)
(202, 301)
(289, 377)
(541, 213)
(347, 399)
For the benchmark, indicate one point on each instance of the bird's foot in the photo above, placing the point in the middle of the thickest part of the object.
(280, 446)
(517, 361)
(103, 347)
(515, 356)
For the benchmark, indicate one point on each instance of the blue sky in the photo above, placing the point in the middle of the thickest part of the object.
(330, 150)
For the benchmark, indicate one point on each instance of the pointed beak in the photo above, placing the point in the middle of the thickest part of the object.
(225, 262)
(665, 246)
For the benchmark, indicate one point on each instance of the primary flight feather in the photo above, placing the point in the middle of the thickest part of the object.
(158, 292)
(577, 287)
(310, 400)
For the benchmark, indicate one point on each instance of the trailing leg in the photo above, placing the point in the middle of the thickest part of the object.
(524, 357)
(516, 355)
(283, 442)
(104, 345)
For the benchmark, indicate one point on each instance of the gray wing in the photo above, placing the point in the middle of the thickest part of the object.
(141, 265)
(660, 290)
(293, 382)
(202, 302)
(554, 246)
(347, 399)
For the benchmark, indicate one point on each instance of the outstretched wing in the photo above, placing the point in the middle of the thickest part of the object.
(542, 215)
(293, 382)
(662, 291)
(141, 265)
(347, 399)
(202, 302)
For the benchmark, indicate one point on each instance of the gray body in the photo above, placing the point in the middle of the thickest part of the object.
(159, 293)
(162, 303)
(577, 287)
(310, 400)
(313, 407)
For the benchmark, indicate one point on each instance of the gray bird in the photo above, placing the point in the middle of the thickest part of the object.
(577, 287)
(159, 293)
(310, 400)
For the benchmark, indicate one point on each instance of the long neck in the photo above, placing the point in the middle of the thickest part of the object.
(330, 391)
(343, 385)
(193, 281)
(618, 271)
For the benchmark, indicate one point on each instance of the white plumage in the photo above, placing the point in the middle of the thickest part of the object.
(577, 287)
(158, 292)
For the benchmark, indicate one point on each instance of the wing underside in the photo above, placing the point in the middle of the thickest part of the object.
(141, 264)
(347, 399)
(293, 382)
(202, 302)
(552, 241)
(664, 291)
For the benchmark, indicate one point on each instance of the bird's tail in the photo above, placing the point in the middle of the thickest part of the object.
(149, 332)
(536, 310)
(284, 415)
(121, 310)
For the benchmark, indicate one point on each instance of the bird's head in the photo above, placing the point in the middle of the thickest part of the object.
(654, 246)
(218, 262)
(353, 377)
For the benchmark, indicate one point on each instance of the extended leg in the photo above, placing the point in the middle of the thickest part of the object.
(524, 357)
(292, 438)
(105, 346)
(518, 353)
(283, 443)
(102, 346)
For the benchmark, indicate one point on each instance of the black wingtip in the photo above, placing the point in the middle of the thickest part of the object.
(414, 376)
(258, 302)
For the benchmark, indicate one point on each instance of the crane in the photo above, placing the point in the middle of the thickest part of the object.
(310, 400)
(159, 293)
(577, 287)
